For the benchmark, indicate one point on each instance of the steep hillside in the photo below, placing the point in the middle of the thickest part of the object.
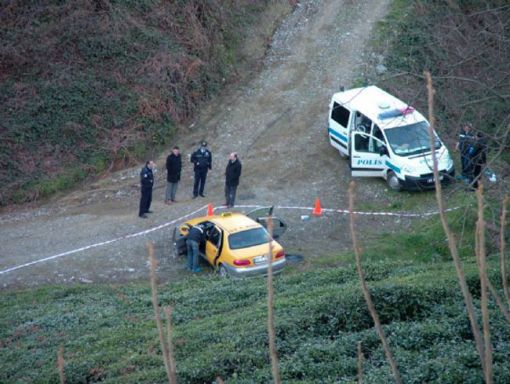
(87, 86)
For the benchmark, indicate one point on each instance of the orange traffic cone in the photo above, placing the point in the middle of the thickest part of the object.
(317, 210)
(210, 210)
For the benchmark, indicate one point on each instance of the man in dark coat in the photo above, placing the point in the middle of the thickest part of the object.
(232, 174)
(196, 235)
(202, 163)
(465, 141)
(147, 182)
(478, 157)
(173, 174)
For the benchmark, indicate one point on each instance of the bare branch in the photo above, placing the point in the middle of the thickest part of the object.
(360, 364)
(366, 292)
(157, 314)
(60, 364)
(169, 333)
(502, 245)
(452, 245)
(484, 299)
(270, 310)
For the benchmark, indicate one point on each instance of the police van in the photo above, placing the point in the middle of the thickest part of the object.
(385, 137)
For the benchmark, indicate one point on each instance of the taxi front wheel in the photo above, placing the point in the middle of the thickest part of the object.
(223, 271)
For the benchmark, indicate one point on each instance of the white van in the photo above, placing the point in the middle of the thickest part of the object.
(385, 137)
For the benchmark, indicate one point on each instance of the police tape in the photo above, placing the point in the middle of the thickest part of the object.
(164, 225)
(91, 246)
(346, 211)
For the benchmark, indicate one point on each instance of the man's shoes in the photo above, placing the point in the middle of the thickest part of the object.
(168, 202)
(144, 216)
(197, 269)
(194, 196)
(173, 201)
(149, 211)
(201, 194)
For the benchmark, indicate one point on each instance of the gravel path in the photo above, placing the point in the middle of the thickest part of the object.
(277, 124)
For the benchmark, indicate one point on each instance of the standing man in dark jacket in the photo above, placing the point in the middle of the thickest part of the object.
(196, 235)
(232, 174)
(173, 174)
(147, 182)
(478, 154)
(202, 163)
(464, 143)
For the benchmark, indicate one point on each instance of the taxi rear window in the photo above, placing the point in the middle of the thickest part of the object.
(248, 238)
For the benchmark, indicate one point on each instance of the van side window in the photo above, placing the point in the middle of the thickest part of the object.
(340, 114)
(376, 140)
(362, 123)
(377, 133)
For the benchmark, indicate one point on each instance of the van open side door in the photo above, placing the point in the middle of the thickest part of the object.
(367, 156)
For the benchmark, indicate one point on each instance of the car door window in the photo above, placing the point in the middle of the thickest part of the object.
(214, 236)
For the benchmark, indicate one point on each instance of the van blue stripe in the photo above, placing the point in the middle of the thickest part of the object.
(395, 168)
(339, 135)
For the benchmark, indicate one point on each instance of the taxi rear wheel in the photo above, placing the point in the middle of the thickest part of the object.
(222, 271)
(393, 181)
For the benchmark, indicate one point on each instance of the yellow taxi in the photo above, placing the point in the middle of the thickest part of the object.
(236, 244)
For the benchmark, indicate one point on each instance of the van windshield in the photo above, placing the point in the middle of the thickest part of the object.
(411, 139)
(248, 238)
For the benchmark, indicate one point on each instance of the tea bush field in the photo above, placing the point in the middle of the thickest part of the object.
(109, 333)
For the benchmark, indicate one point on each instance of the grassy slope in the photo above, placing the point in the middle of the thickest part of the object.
(220, 329)
(89, 85)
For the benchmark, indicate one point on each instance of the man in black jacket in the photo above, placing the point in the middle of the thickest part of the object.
(202, 162)
(232, 174)
(147, 182)
(464, 143)
(478, 153)
(173, 174)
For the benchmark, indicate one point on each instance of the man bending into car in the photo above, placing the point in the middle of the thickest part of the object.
(196, 235)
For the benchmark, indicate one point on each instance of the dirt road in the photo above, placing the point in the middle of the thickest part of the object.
(277, 124)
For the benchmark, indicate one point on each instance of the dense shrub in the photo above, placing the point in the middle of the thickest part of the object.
(94, 85)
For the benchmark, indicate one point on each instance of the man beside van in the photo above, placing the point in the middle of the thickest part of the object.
(465, 142)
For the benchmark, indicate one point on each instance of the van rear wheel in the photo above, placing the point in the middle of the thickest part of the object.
(393, 181)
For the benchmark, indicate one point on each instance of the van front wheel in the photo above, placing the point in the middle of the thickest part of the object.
(393, 181)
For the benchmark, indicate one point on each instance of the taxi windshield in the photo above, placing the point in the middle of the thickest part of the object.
(411, 139)
(248, 238)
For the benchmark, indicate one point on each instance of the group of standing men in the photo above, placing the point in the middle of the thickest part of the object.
(473, 154)
(202, 163)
